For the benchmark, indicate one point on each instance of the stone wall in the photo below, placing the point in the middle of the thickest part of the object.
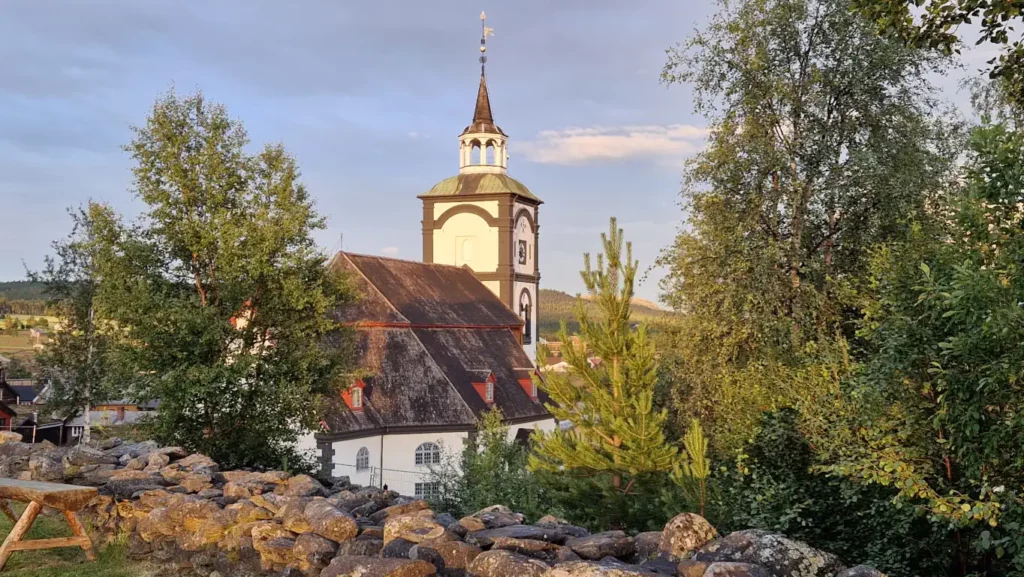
(191, 518)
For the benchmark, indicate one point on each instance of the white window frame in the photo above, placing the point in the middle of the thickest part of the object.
(490, 392)
(427, 490)
(356, 394)
(362, 459)
(427, 454)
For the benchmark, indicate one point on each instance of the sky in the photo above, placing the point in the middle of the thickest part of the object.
(370, 98)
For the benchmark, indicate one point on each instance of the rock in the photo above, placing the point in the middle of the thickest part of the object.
(661, 565)
(690, 568)
(593, 569)
(861, 571)
(356, 566)
(173, 453)
(562, 525)
(566, 554)
(534, 548)
(313, 551)
(277, 551)
(486, 538)
(196, 482)
(732, 569)
(157, 460)
(429, 555)
(301, 486)
(111, 443)
(779, 555)
(84, 455)
(46, 467)
(684, 533)
(457, 555)
(601, 545)
(329, 521)
(647, 545)
(360, 546)
(293, 517)
(413, 527)
(552, 520)
(397, 510)
(493, 517)
(365, 509)
(506, 564)
(124, 489)
(397, 549)
(210, 493)
(197, 463)
(248, 512)
(270, 502)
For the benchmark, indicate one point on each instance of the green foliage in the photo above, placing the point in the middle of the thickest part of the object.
(19, 369)
(490, 470)
(77, 360)
(218, 293)
(615, 428)
(940, 24)
(770, 485)
(821, 145)
(935, 411)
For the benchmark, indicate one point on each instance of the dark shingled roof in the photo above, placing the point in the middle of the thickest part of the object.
(483, 121)
(26, 393)
(424, 334)
(416, 293)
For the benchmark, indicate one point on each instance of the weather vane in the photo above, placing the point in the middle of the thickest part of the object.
(483, 40)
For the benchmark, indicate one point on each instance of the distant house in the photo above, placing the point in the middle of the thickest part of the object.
(7, 416)
(25, 389)
(111, 413)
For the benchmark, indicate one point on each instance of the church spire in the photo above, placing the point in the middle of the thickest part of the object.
(483, 120)
(482, 145)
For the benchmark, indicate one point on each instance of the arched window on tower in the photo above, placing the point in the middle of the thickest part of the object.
(524, 313)
(477, 155)
(490, 153)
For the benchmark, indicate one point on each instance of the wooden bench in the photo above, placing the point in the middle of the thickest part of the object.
(68, 499)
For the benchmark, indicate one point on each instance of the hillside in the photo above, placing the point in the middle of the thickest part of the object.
(556, 306)
(22, 290)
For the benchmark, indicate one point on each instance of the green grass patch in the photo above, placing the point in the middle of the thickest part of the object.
(112, 562)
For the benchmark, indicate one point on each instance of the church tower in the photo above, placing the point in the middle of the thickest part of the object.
(484, 219)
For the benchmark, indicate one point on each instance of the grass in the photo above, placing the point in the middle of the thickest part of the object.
(15, 343)
(112, 562)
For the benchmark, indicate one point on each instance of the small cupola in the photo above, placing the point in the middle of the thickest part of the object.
(483, 147)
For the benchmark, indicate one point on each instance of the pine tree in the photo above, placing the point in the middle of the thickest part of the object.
(610, 402)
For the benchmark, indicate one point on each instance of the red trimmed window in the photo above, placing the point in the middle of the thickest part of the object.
(354, 395)
(530, 387)
(486, 389)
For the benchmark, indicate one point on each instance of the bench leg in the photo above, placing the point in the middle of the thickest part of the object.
(79, 531)
(6, 508)
(19, 530)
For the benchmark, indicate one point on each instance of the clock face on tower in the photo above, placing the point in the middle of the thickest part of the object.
(524, 245)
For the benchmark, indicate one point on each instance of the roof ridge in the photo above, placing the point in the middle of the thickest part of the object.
(391, 258)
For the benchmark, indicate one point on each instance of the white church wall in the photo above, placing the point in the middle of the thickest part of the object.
(466, 239)
(397, 468)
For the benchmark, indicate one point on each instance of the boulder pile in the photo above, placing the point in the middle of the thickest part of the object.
(182, 512)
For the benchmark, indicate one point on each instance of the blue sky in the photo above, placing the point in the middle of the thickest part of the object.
(370, 98)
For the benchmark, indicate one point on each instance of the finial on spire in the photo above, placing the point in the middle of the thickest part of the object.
(485, 32)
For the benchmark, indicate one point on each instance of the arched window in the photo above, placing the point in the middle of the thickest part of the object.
(428, 454)
(524, 313)
(362, 459)
(489, 153)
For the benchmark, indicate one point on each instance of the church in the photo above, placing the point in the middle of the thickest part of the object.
(441, 341)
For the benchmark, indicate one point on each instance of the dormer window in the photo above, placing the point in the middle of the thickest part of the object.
(353, 396)
(530, 387)
(485, 387)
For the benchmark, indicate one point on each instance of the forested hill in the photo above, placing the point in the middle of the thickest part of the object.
(22, 290)
(556, 306)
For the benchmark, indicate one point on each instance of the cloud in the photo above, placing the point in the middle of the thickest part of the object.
(389, 251)
(583, 145)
